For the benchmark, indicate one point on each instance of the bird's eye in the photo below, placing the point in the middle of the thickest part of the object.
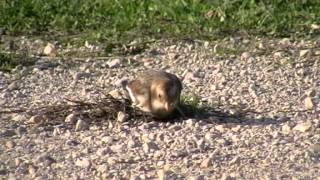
(159, 95)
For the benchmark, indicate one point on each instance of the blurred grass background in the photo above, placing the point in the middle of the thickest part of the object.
(125, 20)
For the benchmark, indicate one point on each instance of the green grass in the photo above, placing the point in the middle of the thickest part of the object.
(10, 61)
(118, 22)
(125, 20)
(191, 105)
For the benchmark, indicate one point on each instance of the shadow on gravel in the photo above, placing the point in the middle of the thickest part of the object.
(219, 116)
(106, 110)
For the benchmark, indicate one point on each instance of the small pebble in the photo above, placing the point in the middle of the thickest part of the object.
(13, 86)
(81, 125)
(304, 52)
(220, 128)
(45, 159)
(10, 144)
(308, 103)
(303, 127)
(32, 169)
(37, 119)
(21, 131)
(70, 142)
(201, 177)
(84, 163)
(115, 63)
(8, 133)
(286, 129)
(150, 146)
(49, 49)
(245, 56)
(206, 163)
(71, 118)
(103, 151)
(116, 94)
(122, 117)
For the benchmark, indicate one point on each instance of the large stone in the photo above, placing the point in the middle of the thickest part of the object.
(303, 127)
(308, 103)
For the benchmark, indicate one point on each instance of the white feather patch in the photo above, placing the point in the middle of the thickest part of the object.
(133, 99)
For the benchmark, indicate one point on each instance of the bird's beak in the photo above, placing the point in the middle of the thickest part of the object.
(167, 106)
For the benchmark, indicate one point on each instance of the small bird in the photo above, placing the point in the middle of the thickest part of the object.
(157, 92)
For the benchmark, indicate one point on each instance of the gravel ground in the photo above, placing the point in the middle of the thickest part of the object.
(273, 83)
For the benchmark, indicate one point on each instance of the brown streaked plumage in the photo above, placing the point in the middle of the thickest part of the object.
(157, 92)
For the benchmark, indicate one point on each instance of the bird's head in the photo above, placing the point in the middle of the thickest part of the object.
(165, 96)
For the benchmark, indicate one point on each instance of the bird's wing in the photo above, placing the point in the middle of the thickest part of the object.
(138, 87)
(152, 75)
(176, 80)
